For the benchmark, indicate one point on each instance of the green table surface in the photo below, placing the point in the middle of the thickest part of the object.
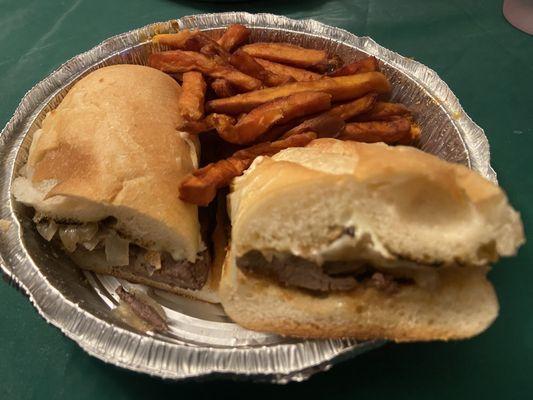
(486, 62)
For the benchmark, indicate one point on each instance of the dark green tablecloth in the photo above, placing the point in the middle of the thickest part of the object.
(487, 63)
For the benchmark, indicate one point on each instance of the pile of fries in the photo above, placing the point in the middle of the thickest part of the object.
(261, 98)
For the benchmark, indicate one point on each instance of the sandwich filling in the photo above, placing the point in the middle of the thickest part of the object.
(98, 246)
(341, 266)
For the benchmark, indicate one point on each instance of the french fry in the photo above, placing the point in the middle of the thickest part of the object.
(247, 64)
(290, 54)
(324, 125)
(201, 186)
(194, 40)
(184, 61)
(174, 40)
(340, 88)
(196, 127)
(334, 63)
(331, 122)
(367, 64)
(223, 88)
(260, 119)
(298, 74)
(271, 148)
(234, 36)
(390, 132)
(353, 108)
(191, 101)
(414, 134)
(384, 111)
(276, 132)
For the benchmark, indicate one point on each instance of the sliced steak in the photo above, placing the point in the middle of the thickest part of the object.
(143, 310)
(291, 270)
(183, 273)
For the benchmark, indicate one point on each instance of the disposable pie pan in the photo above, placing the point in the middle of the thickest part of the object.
(201, 339)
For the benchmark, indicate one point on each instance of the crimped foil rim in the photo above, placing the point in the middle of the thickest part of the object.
(91, 333)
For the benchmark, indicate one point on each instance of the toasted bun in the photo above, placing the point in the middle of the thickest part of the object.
(463, 305)
(112, 148)
(402, 203)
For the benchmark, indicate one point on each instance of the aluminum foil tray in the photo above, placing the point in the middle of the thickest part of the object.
(201, 340)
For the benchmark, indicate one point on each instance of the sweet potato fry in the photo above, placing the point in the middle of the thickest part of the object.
(353, 108)
(278, 111)
(414, 134)
(383, 111)
(194, 40)
(174, 40)
(247, 64)
(201, 186)
(340, 88)
(184, 61)
(191, 101)
(223, 88)
(390, 132)
(271, 148)
(234, 36)
(298, 74)
(196, 127)
(367, 64)
(289, 54)
(331, 122)
(324, 125)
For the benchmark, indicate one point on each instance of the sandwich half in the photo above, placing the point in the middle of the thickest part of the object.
(345, 239)
(103, 175)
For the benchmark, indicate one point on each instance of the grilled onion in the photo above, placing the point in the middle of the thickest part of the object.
(47, 229)
(117, 250)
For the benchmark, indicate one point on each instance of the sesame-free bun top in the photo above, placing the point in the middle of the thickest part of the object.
(403, 204)
(113, 148)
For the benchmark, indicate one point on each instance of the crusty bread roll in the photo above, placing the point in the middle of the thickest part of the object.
(112, 148)
(408, 213)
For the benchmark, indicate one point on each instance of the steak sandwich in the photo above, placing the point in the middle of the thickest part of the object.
(346, 239)
(103, 175)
